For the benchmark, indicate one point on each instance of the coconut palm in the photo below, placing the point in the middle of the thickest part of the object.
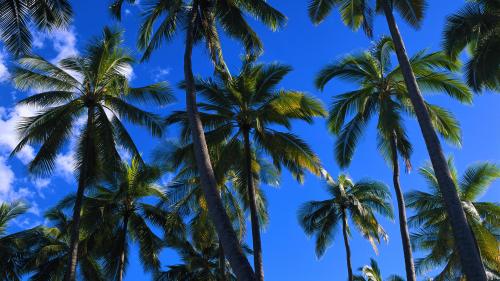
(246, 111)
(432, 223)
(49, 262)
(122, 201)
(382, 94)
(477, 27)
(18, 16)
(200, 260)
(372, 273)
(360, 201)
(359, 13)
(201, 19)
(15, 248)
(95, 87)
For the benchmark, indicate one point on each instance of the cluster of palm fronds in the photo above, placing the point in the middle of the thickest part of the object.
(237, 137)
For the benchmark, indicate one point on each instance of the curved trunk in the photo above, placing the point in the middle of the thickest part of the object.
(469, 256)
(403, 226)
(70, 274)
(121, 264)
(347, 247)
(218, 215)
(254, 218)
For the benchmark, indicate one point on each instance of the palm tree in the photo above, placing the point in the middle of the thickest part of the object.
(359, 13)
(93, 86)
(15, 248)
(201, 18)
(433, 224)
(372, 273)
(477, 27)
(19, 15)
(128, 215)
(200, 260)
(360, 201)
(382, 92)
(249, 106)
(49, 261)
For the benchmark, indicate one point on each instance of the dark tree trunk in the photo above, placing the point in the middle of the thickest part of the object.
(121, 265)
(254, 218)
(347, 247)
(218, 215)
(70, 274)
(222, 263)
(469, 256)
(403, 226)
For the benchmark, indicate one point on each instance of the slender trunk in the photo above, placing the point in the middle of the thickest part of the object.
(121, 265)
(222, 263)
(254, 218)
(70, 274)
(403, 226)
(223, 226)
(469, 256)
(347, 247)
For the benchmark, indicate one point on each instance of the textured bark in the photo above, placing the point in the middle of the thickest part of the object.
(70, 274)
(469, 256)
(121, 265)
(347, 247)
(403, 225)
(218, 215)
(254, 218)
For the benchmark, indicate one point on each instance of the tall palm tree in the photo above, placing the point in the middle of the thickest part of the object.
(93, 86)
(477, 27)
(15, 248)
(359, 13)
(127, 214)
(201, 19)
(372, 273)
(382, 92)
(17, 16)
(360, 201)
(433, 224)
(249, 106)
(49, 261)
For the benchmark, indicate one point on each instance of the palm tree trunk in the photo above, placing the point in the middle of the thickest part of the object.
(70, 274)
(403, 226)
(121, 265)
(469, 256)
(219, 217)
(347, 247)
(257, 243)
(222, 263)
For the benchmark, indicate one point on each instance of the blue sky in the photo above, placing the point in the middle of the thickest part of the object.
(288, 253)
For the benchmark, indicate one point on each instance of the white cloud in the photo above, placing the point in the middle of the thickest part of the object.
(4, 72)
(128, 71)
(9, 120)
(160, 73)
(65, 164)
(64, 43)
(7, 176)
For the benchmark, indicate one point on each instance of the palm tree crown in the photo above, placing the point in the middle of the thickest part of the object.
(372, 273)
(359, 14)
(477, 27)
(359, 201)
(382, 91)
(17, 16)
(95, 85)
(433, 227)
